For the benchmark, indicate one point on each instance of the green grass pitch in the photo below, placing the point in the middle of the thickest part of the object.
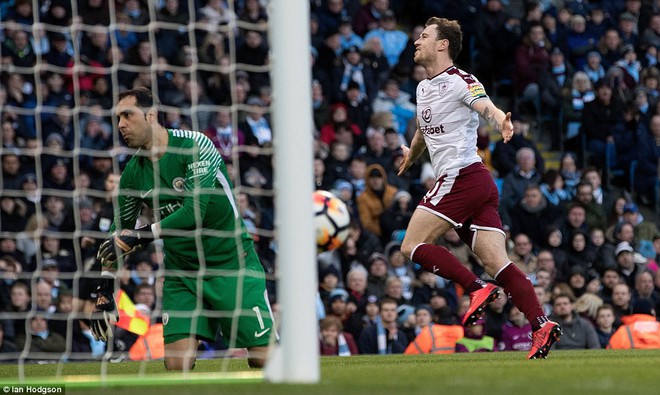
(564, 373)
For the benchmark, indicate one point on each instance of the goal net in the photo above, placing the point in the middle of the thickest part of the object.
(208, 64)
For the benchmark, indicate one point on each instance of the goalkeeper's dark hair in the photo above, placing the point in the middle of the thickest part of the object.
(145, 100)
(448, 30)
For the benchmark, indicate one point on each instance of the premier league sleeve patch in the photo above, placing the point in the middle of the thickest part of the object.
(477, 90)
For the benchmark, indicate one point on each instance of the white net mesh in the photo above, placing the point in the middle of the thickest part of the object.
(63, 66)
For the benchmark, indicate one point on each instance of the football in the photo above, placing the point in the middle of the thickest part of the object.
(331, 219)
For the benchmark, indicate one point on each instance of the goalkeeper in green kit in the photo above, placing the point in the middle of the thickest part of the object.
(211, 267)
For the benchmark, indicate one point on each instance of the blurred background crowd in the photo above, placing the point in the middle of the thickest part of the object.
(578, 181)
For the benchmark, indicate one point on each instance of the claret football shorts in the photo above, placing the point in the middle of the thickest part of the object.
(466, 198)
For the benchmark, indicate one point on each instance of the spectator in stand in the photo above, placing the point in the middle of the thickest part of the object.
(628, 267)
(599, 118)
(611, 278)
(20, 303)
(496, 315)
(366, 242)
(544, 275)
(50, 275)
(6, 345)
(602, 196)
(60, 52)
(603, 250)
(644, 230)
(533, 215)
(573, 104)
(258, 135)
(333, 340)
(378, 195)
(393, 40)
(11, 171)
(575, 220)
(253, 12)
(648, 157)
(570, 172)
(384, 337)
(337, 166)
(593, 68)
(224, 137)
(368, 16)
(621, 301)
(579, 41)
(374, 55)
(331, 15)
(81, 338)
(425, 287)
(629, 66)
(475, 339)
(391, 99)
(254, 51)
(531, 59)
(378, 272)
(504, 155)
(340, 308)
(553, 189)
(338, 118)
(628, 29)
(516, 333)
(522, 255)
(595, 214)
(579, 333)
(356, 285)
(353, 68)
(577, 281)
(348, 37)
(555, 81)
(42, 340)
(641, 330)
(358, 107)
(322, 180)
(515, 183)
(604, 324)
(432, 338)
(492, 18)
(644, 288)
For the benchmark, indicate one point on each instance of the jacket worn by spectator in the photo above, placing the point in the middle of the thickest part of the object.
(375, 199)
(579, 334)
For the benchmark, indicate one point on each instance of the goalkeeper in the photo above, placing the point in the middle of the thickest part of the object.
(210, 262)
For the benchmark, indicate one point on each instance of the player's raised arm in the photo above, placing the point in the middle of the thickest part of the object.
(410, 155)
(495, 117)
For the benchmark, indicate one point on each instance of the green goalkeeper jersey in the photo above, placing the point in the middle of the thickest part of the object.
(190, 193)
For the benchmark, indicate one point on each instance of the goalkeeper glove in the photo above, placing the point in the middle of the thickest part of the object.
(105, 313)
(126, 242)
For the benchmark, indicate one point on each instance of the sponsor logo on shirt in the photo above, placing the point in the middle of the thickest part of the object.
(442, 89)
(178, 184)
(431, 129)
(426, 114)
(199, 167)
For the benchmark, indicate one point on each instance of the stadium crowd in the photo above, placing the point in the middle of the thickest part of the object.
(581, 76)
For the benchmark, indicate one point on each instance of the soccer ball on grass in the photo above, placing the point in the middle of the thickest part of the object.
(331, 219)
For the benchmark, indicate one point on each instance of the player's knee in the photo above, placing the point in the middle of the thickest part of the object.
(179, 364)
(407, 248)
(256, 362)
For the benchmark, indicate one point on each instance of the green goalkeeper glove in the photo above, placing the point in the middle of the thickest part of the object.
(126, 242)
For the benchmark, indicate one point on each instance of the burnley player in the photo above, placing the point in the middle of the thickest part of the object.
(464, 196)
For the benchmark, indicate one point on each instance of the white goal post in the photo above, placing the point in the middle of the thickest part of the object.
(296, 358)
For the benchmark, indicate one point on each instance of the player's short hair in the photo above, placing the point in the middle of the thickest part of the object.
(448, 30)
(144, 99)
